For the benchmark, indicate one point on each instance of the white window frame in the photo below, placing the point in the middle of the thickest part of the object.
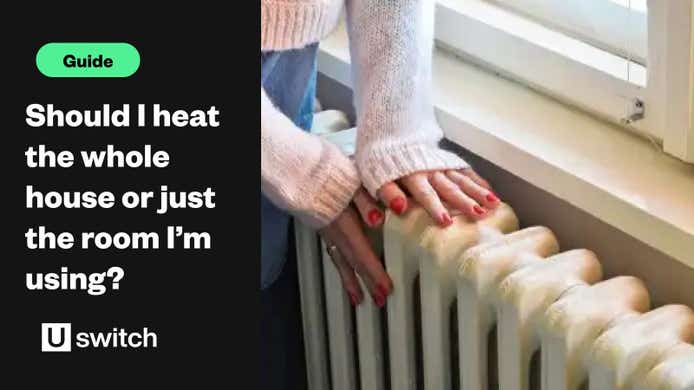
(499, 39)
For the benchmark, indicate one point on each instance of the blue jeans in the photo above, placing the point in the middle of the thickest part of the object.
(289, 79)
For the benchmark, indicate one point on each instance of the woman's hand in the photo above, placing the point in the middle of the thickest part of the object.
(351, 251)
(463, 190)
(371, 213)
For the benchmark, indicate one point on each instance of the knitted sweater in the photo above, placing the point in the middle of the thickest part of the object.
(397, 133)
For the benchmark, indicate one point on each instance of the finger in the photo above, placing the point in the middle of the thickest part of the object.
(348, 278)
(419, 187)
(357, 250)
(482, 195)
(452, 193)
(393, 197)
(469, 172)
(360, 256)
(333, 234)
(369, 210)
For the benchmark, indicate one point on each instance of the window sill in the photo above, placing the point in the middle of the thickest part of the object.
(611, 174)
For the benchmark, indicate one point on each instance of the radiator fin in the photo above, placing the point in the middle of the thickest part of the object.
(552, 322)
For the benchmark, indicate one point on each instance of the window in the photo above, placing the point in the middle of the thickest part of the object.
(628, 61)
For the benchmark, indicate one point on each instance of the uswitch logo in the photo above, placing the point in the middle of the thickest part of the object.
(57, 337)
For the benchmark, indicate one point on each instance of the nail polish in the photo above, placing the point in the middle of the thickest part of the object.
(446, 219)
(375, 217)
(477, 209)
(379, 300)
(354, 299)
(382, 289)
(491, 198)
(398, 205)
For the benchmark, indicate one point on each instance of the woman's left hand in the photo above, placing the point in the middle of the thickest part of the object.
(462, 189)
(352, 251)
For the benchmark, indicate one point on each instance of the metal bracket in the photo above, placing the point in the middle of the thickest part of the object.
(636, 110)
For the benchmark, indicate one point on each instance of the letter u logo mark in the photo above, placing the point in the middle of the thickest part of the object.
(56, 337)
(50, 337)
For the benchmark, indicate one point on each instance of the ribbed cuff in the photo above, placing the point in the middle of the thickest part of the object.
(293, 24)
(382, 166)
(337, 180)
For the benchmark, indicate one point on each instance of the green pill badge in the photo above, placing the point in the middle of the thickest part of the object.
(77, 59)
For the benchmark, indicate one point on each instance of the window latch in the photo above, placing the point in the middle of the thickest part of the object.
(635, 111)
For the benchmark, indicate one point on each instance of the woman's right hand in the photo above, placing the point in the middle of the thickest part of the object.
(352, 253)
(463, 190)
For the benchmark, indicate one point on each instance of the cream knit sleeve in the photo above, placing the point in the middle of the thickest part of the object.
(301, 173)
(391, 43)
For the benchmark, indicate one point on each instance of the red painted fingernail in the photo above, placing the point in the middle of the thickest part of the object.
(478, 209)
(491, 198)
(446, 219)
(398, 205)
(354, 299)
(375, 217)
(379, 300)
(382, 289)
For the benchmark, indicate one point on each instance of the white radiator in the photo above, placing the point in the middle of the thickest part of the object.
(554, 323)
